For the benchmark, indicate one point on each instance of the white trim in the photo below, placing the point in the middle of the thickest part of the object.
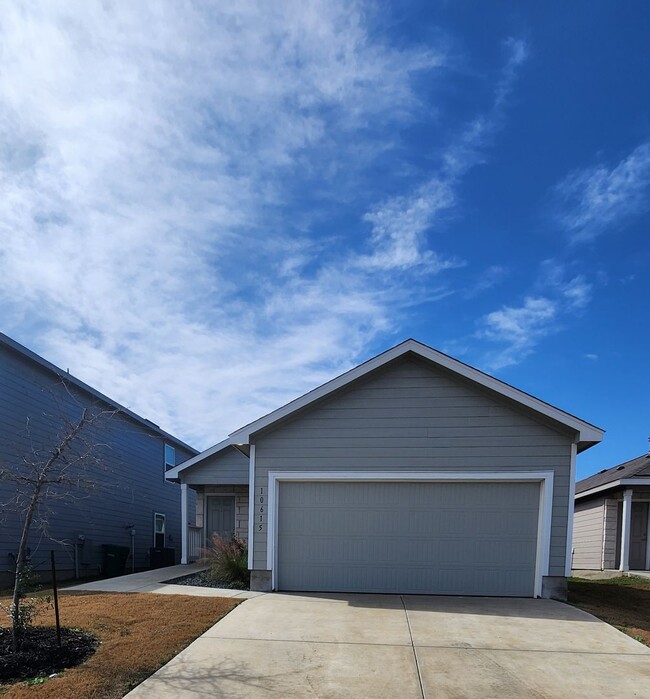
(221, 446)
(164, 531)
(172, 463)
(647, 542)
(613, 484)
(587, 433)
(572, 497)
(271, 526)
(625, 531)
(604, 533)
(545, 478)
(251, 505)
(184, 524)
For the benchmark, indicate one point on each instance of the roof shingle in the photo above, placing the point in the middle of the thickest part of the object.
(635, 468)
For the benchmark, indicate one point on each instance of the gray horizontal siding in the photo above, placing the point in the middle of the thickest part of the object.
(229, 467)
(130, 483)
(411, 416)
(588, 535)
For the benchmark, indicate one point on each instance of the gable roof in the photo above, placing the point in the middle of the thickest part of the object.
(172, 473)
(587, 434)
(635, 471)
(69, 378)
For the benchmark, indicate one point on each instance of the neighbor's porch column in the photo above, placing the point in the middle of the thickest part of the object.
(183, 523)
(625, 530)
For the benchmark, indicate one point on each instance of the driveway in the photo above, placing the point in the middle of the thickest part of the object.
(300, 645)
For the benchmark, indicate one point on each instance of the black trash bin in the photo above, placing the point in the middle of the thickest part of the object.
(161, 557)
(114, 559)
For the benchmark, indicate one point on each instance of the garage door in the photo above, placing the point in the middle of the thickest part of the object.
(462, 538)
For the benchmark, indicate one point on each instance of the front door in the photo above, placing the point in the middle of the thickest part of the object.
(221, 517)
(638, 535)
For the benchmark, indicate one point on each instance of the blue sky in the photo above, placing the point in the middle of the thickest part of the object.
(208, 209)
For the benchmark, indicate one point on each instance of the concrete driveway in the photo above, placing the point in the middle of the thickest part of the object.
(292, 645)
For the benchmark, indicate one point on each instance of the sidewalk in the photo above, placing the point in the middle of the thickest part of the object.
(154, 581)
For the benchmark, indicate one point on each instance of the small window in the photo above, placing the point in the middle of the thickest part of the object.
(170, 457)
(159, 530)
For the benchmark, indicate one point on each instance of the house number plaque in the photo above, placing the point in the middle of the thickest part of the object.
(260, 515)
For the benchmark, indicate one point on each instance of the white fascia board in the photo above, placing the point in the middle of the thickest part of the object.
(400, 476)
(571, 512)
(585, 431)
(612, 485)
(173, 473)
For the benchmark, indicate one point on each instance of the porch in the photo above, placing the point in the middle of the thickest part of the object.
(628, 539)
(221, 510)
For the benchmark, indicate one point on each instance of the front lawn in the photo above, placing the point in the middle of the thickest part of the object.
(138, 633)
(622, 602)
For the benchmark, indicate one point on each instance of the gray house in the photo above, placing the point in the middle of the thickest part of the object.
(132, 504)
(612, 518)
(411, 473)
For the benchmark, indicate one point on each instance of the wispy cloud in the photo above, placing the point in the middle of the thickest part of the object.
(155, 237)
(594, 200)
(400, 224)
(517, 329)
(147, 181)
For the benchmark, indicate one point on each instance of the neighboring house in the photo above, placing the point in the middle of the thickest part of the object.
(611, 528)
(133, 505)
(412, 473)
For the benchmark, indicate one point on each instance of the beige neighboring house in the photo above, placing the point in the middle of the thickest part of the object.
(411, 473)
(612, 518)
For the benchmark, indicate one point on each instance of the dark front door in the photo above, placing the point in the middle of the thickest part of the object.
(221, 516)
(638, 535)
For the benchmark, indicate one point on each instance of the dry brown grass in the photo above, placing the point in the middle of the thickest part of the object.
(622, 602)
(138, 632)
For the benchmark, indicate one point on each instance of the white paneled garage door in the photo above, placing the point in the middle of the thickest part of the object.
(456, 538)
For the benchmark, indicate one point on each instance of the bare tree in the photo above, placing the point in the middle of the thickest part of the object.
(66, 470)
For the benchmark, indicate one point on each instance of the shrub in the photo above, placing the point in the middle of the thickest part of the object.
(22, 614)
(228, 561)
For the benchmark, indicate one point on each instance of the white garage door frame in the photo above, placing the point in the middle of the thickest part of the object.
(544, 478)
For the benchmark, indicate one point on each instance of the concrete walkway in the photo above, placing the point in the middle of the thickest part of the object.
(154, 581)
(333, 646)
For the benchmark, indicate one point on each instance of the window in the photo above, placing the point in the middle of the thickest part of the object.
(159, 530)
(170, 457)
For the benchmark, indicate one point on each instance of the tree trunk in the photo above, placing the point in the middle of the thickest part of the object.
(20, 567)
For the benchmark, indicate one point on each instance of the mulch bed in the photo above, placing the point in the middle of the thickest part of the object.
(40, 653)
(204, 579)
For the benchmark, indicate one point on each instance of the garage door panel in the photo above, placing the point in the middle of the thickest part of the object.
(411, 537)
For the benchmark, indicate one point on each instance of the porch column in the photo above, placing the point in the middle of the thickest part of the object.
(183, 523)
(625, 530)
(647, 542)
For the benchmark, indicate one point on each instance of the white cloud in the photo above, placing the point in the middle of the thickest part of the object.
(153, 157)
(591, 357)
(519, 327)
(147, 154)
(400, 224)
(574, 291)
(598, 199)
